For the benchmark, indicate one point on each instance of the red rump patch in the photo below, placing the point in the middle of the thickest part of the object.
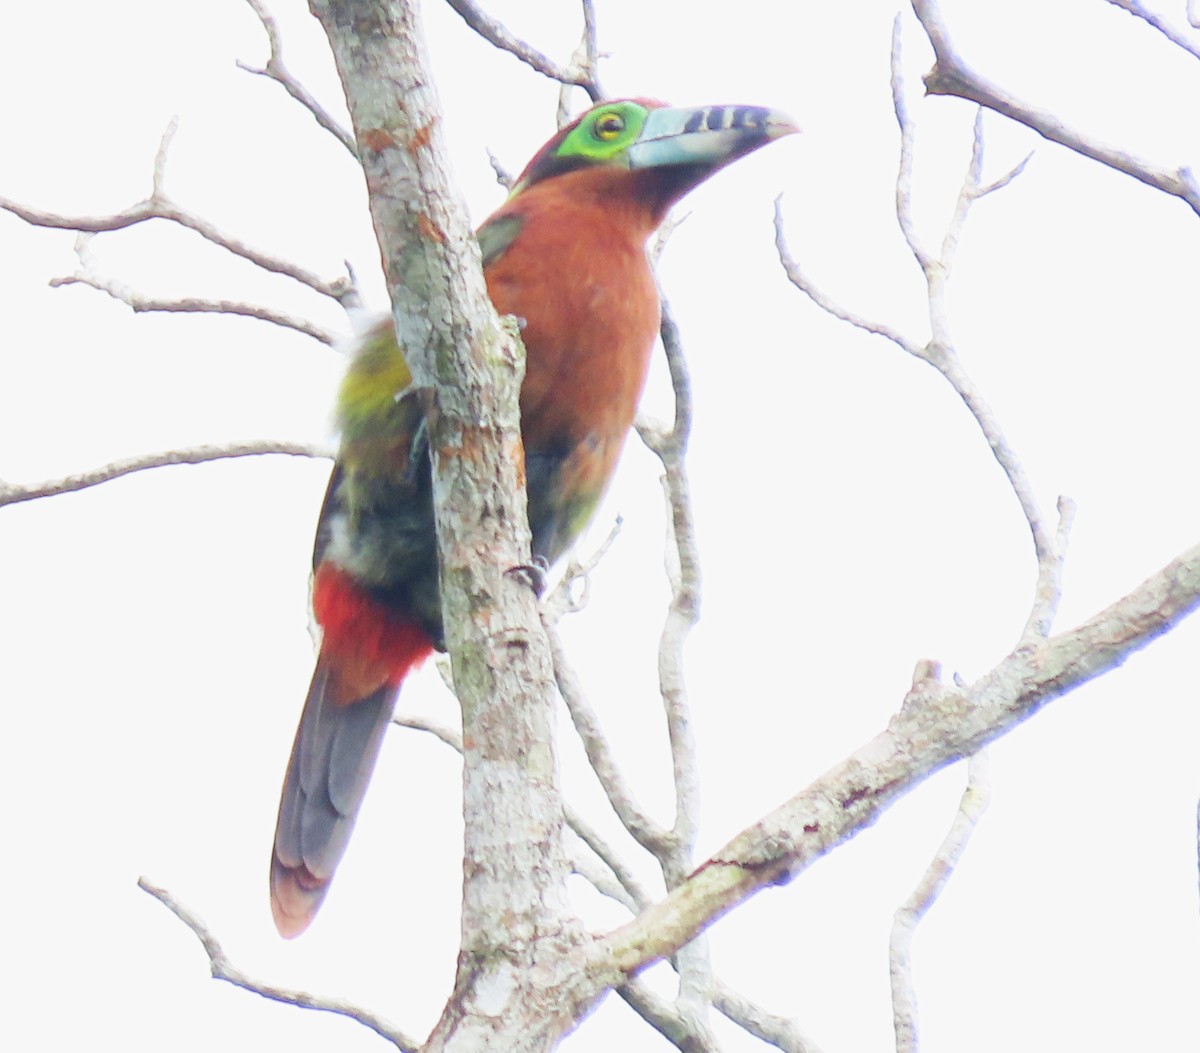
(366, 643)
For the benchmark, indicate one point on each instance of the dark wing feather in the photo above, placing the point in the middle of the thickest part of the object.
(332, 758)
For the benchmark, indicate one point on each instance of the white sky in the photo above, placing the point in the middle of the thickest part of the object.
(852, 521)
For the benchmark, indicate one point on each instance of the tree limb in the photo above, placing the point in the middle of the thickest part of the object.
(933, 729)
(515, 865)
(951, 76)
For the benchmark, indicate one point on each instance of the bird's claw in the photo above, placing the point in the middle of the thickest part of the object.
(533, 573)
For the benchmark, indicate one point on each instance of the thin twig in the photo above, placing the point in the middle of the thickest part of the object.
(908, 916)
(825, 302)
(649, 834)
(586, 866)
(951, 76)
(587, 724)
(89, 275)
(223, 969)
(686, 1035)
(160, 206)
(1152, 18)
(11, 494)
(683, 574)
(452, 737)
(775, 1030)
(1048, 591)
(276, 70)
(907, 149)
(939, 351)
(591, 44)
(562, 599)
(503, 176)
(684, 577)
(497, 34)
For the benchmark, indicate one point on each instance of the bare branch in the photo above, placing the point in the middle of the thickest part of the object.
(586, 866)
(159, 206)
(775, 1030)
(1152, 18)
(1004, 180)
(649, 834)
(907, 148)
(276, 70)
(589, 61)
(908, 916)
(685, 1034)
(452, 737)
(683, 574)
(503, 176)
(940, 351)
(826, 303)
(88, 274)
(160, 156)
(223, 969)
(951, 76)
(11, 494)
(932, 729)
(497, 34)
(1048, 590)
(967, 194)
(591, 46)
(945, 360)
(639, 896)
(562, 600)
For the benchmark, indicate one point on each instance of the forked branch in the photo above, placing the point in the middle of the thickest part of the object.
(934, 728)
(952, 76)
(276, 70)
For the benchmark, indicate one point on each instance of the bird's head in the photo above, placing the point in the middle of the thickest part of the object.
(666, 150)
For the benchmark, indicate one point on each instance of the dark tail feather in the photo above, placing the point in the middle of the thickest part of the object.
(333, 756)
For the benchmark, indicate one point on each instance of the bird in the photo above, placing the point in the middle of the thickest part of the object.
(566, 254)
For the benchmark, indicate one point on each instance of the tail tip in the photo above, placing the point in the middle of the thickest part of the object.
(296, 896)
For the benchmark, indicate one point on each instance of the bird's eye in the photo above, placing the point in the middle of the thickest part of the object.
(608, 126)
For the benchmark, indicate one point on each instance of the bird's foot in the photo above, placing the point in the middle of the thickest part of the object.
(533, 573)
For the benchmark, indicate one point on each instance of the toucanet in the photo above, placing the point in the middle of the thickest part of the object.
(565, 254)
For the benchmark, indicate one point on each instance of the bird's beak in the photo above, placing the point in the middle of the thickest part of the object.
(707, 136)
